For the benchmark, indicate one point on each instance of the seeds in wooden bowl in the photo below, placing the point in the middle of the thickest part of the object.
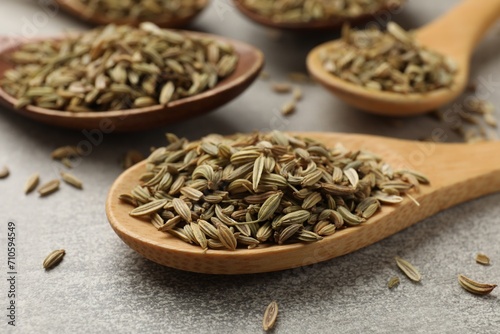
(116, 68)
(148, 10)
(298, 11)
(389, 60)
(272, 188)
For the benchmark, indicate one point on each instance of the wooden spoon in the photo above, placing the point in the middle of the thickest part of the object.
(249, 65)
(333, 23)
(79, 10)
(458, 173)
(454, 35)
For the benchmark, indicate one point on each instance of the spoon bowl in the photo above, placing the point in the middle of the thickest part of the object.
(334, 23)
(249, 65)
(80, 11)
(458, 173)
(447, 35)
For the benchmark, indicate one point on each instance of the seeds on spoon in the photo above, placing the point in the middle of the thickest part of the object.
(182, 209)
(116, 68)
(315, 10)
(226, 237)
(142, 10)
(148, 208)
(245, 190)
(388, 61)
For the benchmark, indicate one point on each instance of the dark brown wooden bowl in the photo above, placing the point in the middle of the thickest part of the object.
(249, 65)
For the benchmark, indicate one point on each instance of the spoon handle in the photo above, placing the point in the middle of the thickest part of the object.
(458, 31)
(463, 172)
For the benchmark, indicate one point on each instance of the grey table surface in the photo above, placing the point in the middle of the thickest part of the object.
(102, 286)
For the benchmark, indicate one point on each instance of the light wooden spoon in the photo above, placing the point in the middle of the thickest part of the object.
(80, 11)
(249, 65)
(333, 23)
(454, 35)
(458, 173)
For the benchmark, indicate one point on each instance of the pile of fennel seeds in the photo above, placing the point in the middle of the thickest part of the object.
(224, 193)
(116, 68)
(297, 11)
(143, 9)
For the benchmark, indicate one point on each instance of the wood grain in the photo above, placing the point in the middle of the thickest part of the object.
(458, 173)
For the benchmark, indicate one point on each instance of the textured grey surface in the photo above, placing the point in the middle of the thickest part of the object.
(102, 286)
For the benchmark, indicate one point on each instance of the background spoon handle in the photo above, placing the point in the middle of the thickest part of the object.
(458, 31)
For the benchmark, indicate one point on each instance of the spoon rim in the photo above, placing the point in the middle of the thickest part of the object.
(174, 108)
(78, 10)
